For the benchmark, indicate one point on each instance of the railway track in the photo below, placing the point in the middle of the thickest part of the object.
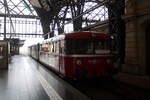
(106, 89)
(109, 89)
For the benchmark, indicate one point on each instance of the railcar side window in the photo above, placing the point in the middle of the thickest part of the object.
(51, 47)
(49, 50)
(45, 47)
(40, 47)
(1, 49)
(54, 47)
(62, 45)
(57, 47)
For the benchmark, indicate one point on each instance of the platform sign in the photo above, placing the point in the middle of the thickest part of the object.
(3, 54)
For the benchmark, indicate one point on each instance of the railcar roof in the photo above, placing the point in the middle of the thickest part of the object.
(79, 35)
(95, 35)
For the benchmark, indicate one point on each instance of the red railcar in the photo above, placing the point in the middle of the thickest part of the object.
(77, 55)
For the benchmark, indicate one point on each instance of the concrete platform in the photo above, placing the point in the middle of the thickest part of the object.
(28, 80)
(136, 80)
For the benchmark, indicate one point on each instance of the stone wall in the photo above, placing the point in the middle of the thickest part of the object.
(137, 17)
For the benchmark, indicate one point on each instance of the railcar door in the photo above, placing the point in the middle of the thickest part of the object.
(3, 54)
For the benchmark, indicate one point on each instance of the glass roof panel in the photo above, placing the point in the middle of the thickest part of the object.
(19, 7)
(21, 19)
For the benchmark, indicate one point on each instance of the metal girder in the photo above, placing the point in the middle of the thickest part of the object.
(99, 24)
(21, 34)
(70, 19)
(18, 8)
(20, 16)
(8, 13)
(13, 12)
(78, 15)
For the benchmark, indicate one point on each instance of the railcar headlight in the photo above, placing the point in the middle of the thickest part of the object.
(79, 62)
(108, 61)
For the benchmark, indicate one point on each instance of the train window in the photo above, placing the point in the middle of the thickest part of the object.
(102, 46)
(53, 50)
(62, 45)
(1, 49)
(51, 47)
(68, 49)
(45, 47)
(83, 46)
(40, 47)
(90, 48)
(87, 46)
(56, 47)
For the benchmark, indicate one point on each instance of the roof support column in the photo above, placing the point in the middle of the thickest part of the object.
(5, 4)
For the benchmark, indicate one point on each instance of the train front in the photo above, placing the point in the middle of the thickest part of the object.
(89, 57)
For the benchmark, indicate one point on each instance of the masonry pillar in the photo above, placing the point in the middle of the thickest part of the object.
(131, 56)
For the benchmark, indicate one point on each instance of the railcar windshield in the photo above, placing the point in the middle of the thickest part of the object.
(102, 46)
(83, 46)
(87, 46)
(69, 48)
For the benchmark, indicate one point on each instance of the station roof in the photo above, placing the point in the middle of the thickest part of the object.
(49, 10)
(56, 13)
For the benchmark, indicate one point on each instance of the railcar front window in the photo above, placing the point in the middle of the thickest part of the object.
(78, 46)
(83, 46)
(102, 47)
(87, 46)
(68, 46)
